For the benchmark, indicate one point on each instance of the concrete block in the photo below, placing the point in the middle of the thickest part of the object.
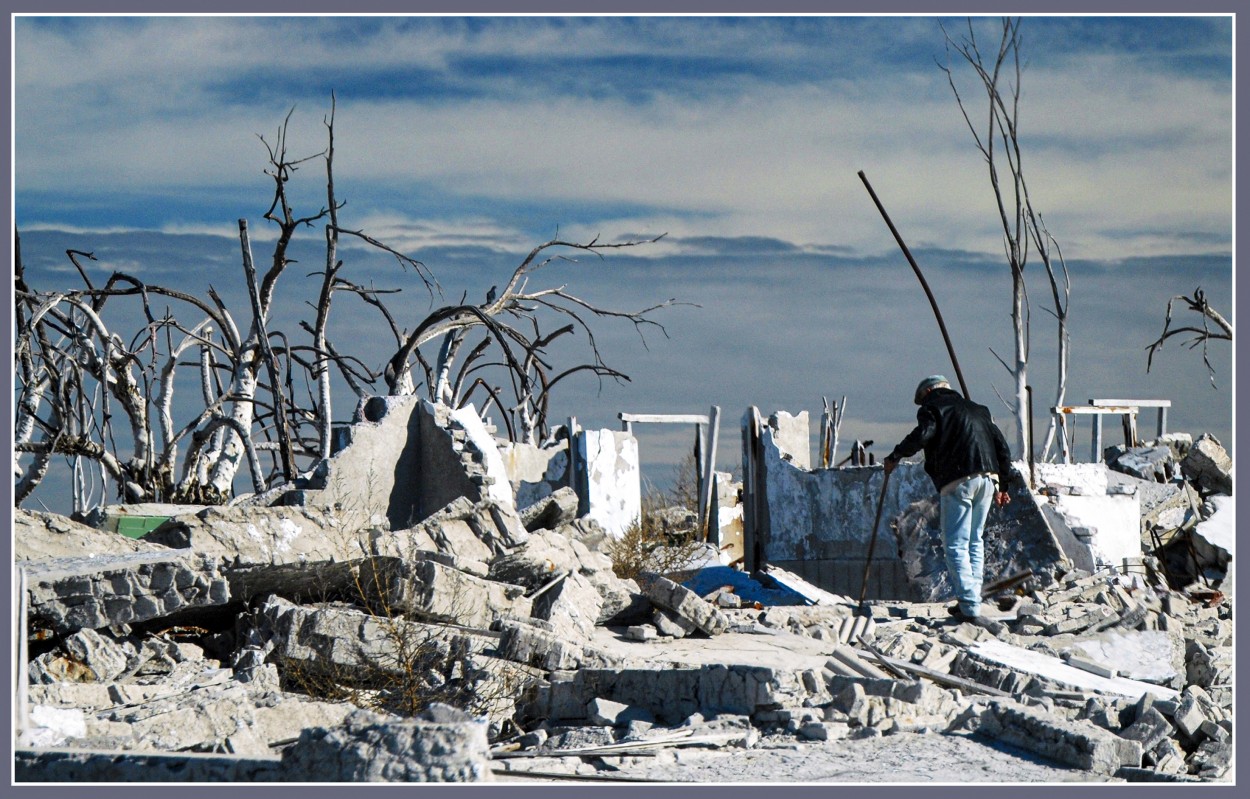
(1081, 745)
(1208, 465)
(548, 513)
(1214, 731)
(1212, 759)
(641, 632)
(687, 604)
(666, 622)
(1189, 715)
(616, 714)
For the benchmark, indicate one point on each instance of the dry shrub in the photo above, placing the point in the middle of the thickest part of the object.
(656, 543)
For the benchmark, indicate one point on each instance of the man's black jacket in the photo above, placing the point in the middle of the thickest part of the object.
(959, 439)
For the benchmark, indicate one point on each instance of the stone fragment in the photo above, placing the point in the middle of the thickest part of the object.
(1189, 716)
(685, 603)
(615, 714)
(1212, 759)
(641, 632)
(573, 606)
(369, 747)
(1213, 731)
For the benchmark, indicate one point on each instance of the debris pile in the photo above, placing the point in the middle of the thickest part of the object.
(287, 642)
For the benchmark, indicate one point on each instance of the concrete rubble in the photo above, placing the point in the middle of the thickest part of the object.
(323, 633)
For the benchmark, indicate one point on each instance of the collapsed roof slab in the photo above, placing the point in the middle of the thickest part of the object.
(1053, 669)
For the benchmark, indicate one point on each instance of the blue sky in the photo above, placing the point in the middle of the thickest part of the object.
(465, 142)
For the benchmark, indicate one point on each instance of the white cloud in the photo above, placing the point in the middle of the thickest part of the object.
(1119, 154)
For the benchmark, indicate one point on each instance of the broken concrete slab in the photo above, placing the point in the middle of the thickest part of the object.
(1214, 537)
(1155, 464)
(86, 656)
(573, 606)
(302, 552)
(1056, 671)
(1082, 745)
(369, 747)
(685, 603)
(69, 594)
(1147, 655)
(352, 644)
(672, 694)
(1208, 465)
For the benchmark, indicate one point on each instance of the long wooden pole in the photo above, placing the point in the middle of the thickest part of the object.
(923, 283)
(872, 544)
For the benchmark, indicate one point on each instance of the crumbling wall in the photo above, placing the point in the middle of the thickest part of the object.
(1097, 522)
(535, 472)
(402, 459)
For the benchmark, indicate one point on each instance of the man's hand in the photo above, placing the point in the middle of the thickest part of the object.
(1002, 498)
(889, 464)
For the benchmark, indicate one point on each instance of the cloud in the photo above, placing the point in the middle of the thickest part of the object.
(723, 128)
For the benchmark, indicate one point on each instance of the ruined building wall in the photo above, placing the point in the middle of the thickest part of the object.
(402, 459)
(818, 523)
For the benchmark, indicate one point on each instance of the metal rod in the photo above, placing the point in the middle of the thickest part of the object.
(872, 543)
(923, 283)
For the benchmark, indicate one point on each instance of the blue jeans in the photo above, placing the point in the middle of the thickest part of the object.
(964, 509)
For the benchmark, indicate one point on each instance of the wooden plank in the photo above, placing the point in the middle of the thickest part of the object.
(1094, 410)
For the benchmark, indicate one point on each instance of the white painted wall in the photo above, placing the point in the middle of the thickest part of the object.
(610, 462)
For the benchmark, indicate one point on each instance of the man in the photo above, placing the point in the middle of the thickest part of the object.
(963, 452)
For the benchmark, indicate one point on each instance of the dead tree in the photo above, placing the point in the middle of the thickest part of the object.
(1197, 303)
(1022, 226)
(78, 379)
(509, 319)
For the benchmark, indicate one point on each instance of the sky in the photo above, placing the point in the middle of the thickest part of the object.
(465, 142)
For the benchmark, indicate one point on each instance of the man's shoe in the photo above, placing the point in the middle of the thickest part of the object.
(984, 622)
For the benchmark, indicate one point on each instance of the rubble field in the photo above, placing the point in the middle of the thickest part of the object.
(278, 642)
